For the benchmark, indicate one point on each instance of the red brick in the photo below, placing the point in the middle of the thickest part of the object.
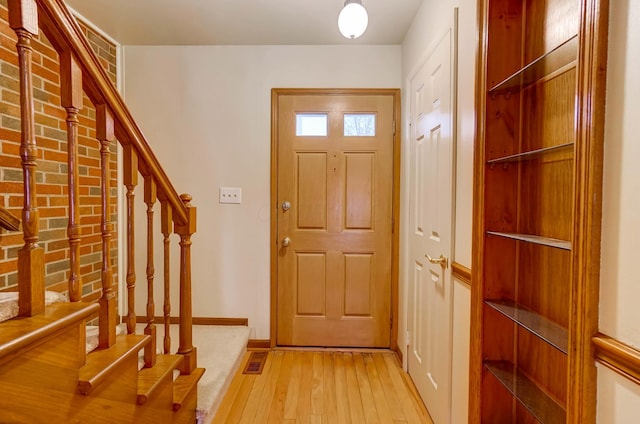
(12, 239)
(58, 201)
(47, 143)
(10, 187)
(55, 156)
(49, 189)
(16, 201)
(54, 111)
(10, 161)
(55, 256)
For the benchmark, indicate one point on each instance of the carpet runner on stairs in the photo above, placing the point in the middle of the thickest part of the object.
(220, 351)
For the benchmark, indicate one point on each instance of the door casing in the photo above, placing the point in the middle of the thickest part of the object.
(395, 93)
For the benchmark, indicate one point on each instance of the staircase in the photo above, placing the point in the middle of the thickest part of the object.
(46, 376)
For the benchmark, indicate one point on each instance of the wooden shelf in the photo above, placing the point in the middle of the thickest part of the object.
(532, 154)
(558, 58)
(545, 329)
(545, 241)
(541, 406)
(537, 183)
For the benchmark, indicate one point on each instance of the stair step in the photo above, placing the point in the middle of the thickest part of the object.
(101, 363)
(150, 379)
(184, 386)
(18, 333)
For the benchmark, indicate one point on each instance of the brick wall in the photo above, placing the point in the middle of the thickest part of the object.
(51, 176)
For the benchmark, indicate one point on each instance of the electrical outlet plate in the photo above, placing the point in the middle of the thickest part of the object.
(231, 195)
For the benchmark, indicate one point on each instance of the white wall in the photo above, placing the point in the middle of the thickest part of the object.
(206, 112)
(430, 24)
(618, 399)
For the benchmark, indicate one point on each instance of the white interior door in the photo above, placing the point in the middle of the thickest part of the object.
(430, 306)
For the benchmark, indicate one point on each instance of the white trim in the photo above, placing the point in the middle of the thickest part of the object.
(93, 27)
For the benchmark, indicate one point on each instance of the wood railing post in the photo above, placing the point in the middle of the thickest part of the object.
(71, 97)
(150, 198)
(108, 313)
(166, 219)
(131, 181)
(185, 232)
(23, 19)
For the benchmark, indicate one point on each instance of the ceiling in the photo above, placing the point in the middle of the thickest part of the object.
(242, 22)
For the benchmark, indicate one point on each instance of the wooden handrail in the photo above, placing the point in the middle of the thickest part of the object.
(62, 29)
(618, 356)
(8, 221)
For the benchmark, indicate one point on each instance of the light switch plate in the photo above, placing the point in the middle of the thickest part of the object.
(230, 195)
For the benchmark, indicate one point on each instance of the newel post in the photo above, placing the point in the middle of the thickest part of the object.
(23, 19)
(185, 232)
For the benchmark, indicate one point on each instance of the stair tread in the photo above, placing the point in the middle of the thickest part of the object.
(101, 363)
(184, 385)
(17, 333)
(150, 379)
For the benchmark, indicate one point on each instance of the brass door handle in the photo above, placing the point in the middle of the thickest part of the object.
(442, 260)
(286, 242)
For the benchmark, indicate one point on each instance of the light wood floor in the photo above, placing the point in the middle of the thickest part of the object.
(323, 387)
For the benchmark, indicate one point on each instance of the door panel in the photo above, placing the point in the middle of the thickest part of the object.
(358, 284)
(310, 279)
(312, 190)
(360, 170)
(334, 271)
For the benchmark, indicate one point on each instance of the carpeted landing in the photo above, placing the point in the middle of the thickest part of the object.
(220, 351)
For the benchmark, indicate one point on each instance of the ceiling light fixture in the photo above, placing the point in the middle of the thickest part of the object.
(353, 19)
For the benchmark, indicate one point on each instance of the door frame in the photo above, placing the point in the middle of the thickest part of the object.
(395, 196)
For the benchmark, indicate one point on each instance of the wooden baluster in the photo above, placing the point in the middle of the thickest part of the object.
(71, 96)
(166, 219)
(185, 231)
(131, 181)
(23, 19)
(108, 313)
(150, 197)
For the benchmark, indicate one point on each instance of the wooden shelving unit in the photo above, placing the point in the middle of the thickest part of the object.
(538, 176)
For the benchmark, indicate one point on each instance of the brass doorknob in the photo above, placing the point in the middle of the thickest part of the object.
(286, 242)
(442, 260)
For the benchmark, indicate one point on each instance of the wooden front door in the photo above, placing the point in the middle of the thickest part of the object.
(334, 218)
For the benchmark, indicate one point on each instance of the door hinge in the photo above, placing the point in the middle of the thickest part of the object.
(394, 127)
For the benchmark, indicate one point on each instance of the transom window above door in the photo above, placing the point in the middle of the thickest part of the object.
(359, 124)
(313, 124)
(316, 124)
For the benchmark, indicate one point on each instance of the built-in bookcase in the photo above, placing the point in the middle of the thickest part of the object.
(538, 173)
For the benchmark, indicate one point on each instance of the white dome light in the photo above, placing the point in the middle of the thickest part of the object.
(353, 19)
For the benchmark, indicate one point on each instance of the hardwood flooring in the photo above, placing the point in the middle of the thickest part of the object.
(323, 387)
